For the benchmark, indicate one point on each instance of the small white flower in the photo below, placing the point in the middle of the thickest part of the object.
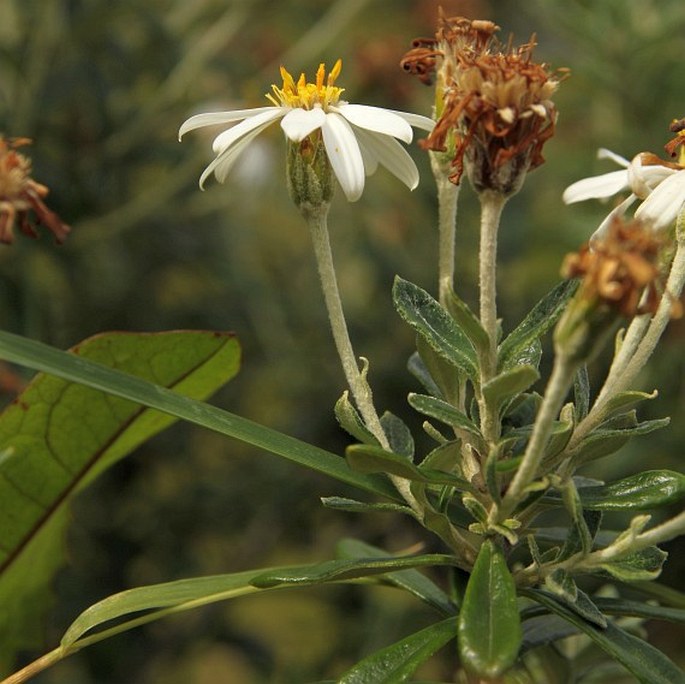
(659, 184)
(356, 137)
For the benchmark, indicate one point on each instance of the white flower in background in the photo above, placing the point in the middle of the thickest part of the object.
(357, 138)
(659, 184)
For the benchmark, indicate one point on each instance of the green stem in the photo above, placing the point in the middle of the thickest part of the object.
(32, 669)
(491, 204)
(448, 195)
(557, 389)
(317, 219)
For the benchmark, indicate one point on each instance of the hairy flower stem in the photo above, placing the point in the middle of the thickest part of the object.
(491, 203)
(317, 220)
(448, 195)
(557, 389)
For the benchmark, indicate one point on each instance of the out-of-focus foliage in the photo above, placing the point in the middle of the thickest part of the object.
(102, 87)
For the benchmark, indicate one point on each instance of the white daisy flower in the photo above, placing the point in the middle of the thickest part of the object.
(658, 183)
(357, 138)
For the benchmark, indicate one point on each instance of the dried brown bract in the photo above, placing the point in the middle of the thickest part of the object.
(20, 194)
(618, 269)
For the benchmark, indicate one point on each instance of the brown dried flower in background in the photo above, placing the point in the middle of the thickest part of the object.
(19, 194)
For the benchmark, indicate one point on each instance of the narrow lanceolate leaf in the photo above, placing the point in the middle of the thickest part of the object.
(349, 419)
(645, 564)
(370, 459)
(398, 662)
(541, 318)
(398, 434)
(435, 326)
(44, 358)
(468, 321)
(602, 442)
(645, 662)
(642, 491)
(444, 412)
(58, 436)
(410, 580)
(489, 623)
(345, 569)
(509, 384)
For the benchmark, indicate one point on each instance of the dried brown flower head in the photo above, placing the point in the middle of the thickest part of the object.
(493, 103)
(19, 194)
(617, 269)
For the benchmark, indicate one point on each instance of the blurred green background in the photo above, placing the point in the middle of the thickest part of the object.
(102, 87)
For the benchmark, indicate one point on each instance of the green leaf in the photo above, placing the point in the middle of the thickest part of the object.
(41, 357)
(349, 419)
(602, 442)
(646, 490)
(468, 322)
(648, 664)
(410, 580)
(369, 459)
(435, 325)
(417, 367)
(625, 401)
(489, 624)
(444, 412)
(397, 662)
(541, 318)
(645, 564)
(57, 437)
(340, 503)
(398, 434)
(647, 611)
(509, 384)
(164, 599)
(562, 585)
(345, 569)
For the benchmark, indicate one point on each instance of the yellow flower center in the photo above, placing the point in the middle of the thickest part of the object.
(305, 95)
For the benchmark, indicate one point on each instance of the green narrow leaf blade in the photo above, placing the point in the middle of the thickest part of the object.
(646, 663)
(435, 325)
(410, 580)
(42, 357)
(397, 662)
(540, 319)
(489, 628)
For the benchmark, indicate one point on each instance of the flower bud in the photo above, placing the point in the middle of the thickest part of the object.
(309, 173)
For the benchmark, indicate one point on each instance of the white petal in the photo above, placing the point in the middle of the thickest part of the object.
(603, 153)
(376, 119)
(227, 138)
(298, 123)
(606, 185)
(643, 178)
(227, 156)
(368, 156)
(392, 155)
(215, 118)
(603, 228)
(663, 205)
(416, 120)
(344, 154)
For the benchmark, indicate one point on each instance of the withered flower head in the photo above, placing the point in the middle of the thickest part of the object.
(617, 269)
(496, 112)
(621, 277)
(19, 194)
